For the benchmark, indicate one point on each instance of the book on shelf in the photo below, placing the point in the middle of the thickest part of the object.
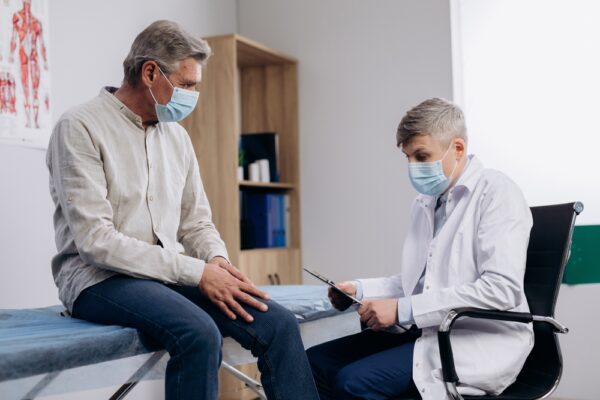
(260, 146)
(287, 221)
(264, 220)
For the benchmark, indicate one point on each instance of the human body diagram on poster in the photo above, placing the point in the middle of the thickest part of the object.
(24, 72)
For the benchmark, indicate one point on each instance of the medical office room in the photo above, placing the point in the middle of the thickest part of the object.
(299, 199)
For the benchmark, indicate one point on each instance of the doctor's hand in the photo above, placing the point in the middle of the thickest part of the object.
(338, 300)
(379, 314)
(227, 292)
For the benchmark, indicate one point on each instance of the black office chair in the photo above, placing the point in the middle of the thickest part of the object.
(547, 255)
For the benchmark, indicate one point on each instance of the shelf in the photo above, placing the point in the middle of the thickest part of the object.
(251, 53)
(269, 249)
(248, 87)
(267, 185)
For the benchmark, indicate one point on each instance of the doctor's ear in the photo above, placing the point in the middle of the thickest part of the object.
(460, 146)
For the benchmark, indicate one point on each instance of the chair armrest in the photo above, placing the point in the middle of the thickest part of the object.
(446, 356)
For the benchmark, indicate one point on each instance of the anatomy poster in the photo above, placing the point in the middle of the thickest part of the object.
(24, 73)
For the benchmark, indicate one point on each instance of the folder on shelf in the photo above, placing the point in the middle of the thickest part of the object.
(258, 211)
(263, 220)
(287, 220)
(282, 242)
(279, 223)
(271, 220)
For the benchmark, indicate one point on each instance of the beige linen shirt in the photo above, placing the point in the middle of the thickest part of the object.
(128, 200)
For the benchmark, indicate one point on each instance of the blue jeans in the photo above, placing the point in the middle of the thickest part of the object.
(191, 328)
(368, 365)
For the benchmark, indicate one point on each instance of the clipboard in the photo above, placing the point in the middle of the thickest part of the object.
(332, 284)
(394, 328)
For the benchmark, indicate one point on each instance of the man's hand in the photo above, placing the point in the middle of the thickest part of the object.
(340, 301)
(379, 314)
(226, 265)
(226, 292)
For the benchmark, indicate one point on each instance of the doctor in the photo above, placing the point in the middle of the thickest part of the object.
(466, 247)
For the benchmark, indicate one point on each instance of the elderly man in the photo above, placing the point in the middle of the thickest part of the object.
(136, 245)
(466, 247)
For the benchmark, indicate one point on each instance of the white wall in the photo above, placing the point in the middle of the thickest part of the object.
(529, 87)
(89, 40)
(361, 66)
(577, 309)
(527, 76)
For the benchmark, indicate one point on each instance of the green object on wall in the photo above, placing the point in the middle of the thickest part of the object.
(584, 263)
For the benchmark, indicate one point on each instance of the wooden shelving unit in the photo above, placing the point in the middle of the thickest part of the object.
(247, 87)
(263, 185)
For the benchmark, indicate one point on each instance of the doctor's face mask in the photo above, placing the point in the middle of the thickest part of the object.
(428, 177)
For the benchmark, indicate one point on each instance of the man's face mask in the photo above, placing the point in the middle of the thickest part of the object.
(428, 177)
(182, 103)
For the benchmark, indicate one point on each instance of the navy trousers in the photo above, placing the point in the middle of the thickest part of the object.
(368, 365)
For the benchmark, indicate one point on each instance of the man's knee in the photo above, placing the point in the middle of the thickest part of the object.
(280, 320)
(198, 336)
(278, 326)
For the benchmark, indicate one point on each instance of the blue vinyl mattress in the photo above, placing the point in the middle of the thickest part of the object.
(41, 340)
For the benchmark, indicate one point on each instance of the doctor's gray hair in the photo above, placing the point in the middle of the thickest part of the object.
(437, 117)
(166, 43)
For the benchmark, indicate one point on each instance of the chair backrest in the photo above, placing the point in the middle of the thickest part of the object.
(547, 256)
(548, 253)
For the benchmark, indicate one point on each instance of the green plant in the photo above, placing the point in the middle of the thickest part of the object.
(241, 157)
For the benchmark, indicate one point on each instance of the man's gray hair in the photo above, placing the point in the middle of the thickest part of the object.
(439, 118)
(166, 43)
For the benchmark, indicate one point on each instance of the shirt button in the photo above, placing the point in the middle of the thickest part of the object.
(427, 287)
(156, 228)
(150, 165)
(417, 365)
(423, 390)
(150, 198)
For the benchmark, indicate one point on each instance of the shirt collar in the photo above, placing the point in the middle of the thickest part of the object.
(107, 93)
(471, 174)
(467, 181)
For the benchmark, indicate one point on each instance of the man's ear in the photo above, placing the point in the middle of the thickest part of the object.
(149, 73)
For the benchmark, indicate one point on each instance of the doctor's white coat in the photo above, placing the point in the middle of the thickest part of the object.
(477, 259)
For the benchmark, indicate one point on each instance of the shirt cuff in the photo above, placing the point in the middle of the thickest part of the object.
(405, 313)
(359, 290)
(218, 253)
(190, 270)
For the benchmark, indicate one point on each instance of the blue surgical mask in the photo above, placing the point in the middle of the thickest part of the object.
(428, 177)
(182, 103)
